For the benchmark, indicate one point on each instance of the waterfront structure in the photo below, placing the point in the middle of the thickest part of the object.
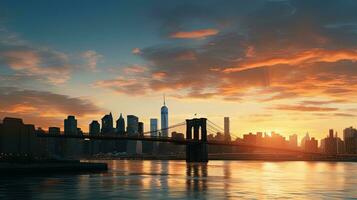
(304, 139)
(311, 145)
(164, 120)
(153, 127)
(350, 139)
(133, 147)
(154, 147)
(332, 144)
(94, 128)
(141, 128)
(133, 125)
(120, 128)
(227, 135)
(293, 141)
(54, 130)
(70, 125)
(177, 136)
(107, 124)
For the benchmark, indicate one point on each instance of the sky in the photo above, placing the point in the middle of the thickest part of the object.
(270, 65)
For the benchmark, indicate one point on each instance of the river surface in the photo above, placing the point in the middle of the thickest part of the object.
(178, 180)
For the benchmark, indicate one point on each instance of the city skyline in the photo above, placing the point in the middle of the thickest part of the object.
(282, 66)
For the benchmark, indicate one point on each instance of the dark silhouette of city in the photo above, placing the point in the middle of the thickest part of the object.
(202, 141)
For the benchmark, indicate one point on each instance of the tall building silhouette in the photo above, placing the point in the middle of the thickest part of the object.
(70, 125)
(350, 139)
(141, 128)
(153, 127)
(107, 124)
(227, 135)
(164, 120)
(133, 125)
(154, 133)
(293, 141)
(94, 128)
(304, 140)
(329, 144)
(120, 129)
(133, 147)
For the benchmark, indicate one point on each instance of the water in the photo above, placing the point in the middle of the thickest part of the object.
(178, 180)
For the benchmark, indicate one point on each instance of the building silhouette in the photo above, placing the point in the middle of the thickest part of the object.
(164, 120)
(350, 139)
(304, 139)
(293, 141)
(107, 124)
(152, 147)
(133, 147)
(153, 127)
(94, 128)
(19, 139)
(70, 126)
(227, 134)
(54, 130)
(141, 128)
(311, 145)
(133, 125)
(332, 144)
(120, 128)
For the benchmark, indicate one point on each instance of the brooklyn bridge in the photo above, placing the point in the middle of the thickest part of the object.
(196, 140)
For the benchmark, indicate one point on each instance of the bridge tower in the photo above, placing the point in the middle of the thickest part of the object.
(196, 148)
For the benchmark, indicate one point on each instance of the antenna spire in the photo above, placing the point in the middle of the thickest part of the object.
(164, 100)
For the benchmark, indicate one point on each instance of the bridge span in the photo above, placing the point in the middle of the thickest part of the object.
(196, 140)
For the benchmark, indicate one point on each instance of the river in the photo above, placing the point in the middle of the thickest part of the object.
(133, 179)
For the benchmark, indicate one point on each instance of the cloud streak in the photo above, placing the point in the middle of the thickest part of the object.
(308, 56)
(196, 34)
(302, 108)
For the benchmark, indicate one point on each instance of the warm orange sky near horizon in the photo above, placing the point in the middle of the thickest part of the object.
(285, 66)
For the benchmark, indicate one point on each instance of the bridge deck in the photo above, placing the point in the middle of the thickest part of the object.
(175, 141)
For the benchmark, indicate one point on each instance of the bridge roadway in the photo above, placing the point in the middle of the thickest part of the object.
(175, 141)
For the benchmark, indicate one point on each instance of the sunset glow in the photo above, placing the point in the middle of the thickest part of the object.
(283, 66)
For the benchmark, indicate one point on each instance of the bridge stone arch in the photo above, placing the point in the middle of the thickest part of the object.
(196, 149)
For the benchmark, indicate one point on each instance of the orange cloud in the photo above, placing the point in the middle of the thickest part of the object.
(304, 108)
(197, 34)
(135, 69)
(44, 63)
(136, 51)
(21, 108)
(159, 75)
(309, 56)
(20, 60)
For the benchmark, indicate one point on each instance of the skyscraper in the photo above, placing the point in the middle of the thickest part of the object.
(120, 125)
(70, 126)
(227, 135)
(153, 127)
(304, 139)
(293, 141)
(154, 133)
(107, 124)
(133, 125)
(141, 128)
(133, 147)
(164, 120)
(350, 139)
(94, 128)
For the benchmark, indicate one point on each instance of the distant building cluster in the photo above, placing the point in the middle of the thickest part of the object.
(18, 138)
(331, 144)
